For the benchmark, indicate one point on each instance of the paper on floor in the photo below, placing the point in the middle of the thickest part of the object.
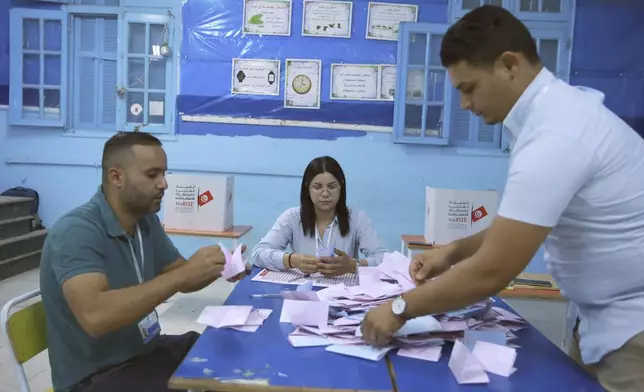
(235, 263)
(465, 367)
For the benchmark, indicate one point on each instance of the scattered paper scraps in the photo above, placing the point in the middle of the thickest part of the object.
(332, 318)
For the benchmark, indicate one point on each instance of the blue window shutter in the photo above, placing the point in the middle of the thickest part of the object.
(469, 130)
(554, 42)
(421, 112)
(85, 72)
(108, 74)
(38, 67)
(487, 136)
(545, 11)
(461, 118)
(95, 57)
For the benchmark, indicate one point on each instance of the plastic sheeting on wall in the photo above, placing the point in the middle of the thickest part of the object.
(212, 37)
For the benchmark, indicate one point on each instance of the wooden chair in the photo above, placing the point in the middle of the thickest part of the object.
(26, 332)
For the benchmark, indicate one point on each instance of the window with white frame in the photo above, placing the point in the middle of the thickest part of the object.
(113, 70)
(455, 126)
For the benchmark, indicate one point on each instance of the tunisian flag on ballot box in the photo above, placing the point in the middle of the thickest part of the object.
(198, 202)
(451, 214)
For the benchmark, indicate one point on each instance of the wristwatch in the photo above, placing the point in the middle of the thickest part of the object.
(399, 306)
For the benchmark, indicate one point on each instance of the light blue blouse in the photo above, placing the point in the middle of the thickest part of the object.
(287, 230)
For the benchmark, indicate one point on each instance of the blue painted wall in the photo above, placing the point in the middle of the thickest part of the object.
(385, 180)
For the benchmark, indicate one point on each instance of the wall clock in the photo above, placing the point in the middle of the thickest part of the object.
(302, 84)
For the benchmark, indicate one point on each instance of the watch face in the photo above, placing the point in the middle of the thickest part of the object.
(398, 306)
(302, 84)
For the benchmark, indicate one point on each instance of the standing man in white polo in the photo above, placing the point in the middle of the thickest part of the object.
(576, 181)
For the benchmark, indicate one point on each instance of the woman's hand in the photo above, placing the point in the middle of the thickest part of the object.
(335, 266)
(306, 263)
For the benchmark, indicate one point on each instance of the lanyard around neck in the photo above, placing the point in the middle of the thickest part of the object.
(134, 259)
(328, 238)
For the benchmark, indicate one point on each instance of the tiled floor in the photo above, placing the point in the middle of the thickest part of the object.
(177, 315)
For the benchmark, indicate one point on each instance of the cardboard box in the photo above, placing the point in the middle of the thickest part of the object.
(451, 214)
(198, 202)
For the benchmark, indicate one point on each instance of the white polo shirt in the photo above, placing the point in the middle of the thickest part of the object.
(577, 167)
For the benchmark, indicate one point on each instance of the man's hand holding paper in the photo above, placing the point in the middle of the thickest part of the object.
(430, 264)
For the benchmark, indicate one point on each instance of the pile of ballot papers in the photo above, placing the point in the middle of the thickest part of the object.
(482, 332)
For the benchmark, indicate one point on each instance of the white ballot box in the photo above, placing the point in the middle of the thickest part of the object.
(198, 202)
(451, 214)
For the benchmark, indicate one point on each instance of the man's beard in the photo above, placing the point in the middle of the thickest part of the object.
(138, 204)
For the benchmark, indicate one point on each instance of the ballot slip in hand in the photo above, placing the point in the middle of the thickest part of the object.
(235, 263)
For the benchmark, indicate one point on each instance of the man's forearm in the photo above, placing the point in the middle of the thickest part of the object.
(464, 284)
(116, 309)
(189, 287)
(468, 246)
(197, 286)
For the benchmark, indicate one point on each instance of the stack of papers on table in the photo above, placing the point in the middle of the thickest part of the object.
(241, 318)
(332, 316)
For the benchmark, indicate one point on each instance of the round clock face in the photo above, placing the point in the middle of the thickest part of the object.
(302, 84)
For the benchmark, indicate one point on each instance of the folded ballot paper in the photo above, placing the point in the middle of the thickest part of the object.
(241, 318)
(235, 263)
(331, 318)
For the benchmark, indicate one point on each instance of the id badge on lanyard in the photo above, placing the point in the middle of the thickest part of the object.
(148, 327)
(322, 249)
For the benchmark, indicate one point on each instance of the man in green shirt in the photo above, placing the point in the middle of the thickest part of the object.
(106, 266)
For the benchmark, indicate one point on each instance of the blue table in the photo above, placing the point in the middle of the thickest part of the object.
(266, 356)
(541, 366)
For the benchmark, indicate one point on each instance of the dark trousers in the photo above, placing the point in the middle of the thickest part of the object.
(146, 373)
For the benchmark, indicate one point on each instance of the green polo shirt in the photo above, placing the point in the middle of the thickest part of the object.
(90, 239)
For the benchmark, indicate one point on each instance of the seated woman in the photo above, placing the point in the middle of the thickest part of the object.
(323, 233)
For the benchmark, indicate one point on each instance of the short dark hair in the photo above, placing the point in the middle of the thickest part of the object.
(121, 143)
(317, 166)
(483, 34)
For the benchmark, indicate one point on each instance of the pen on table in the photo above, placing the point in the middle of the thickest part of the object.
(299, 277)
(271, 295)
